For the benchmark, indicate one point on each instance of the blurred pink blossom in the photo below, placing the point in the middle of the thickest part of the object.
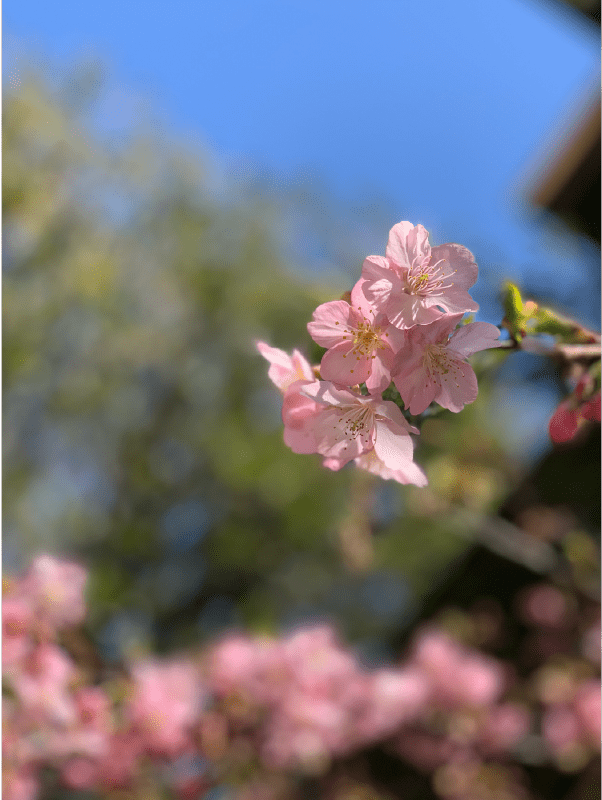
(166, 700)
(43, 684)
(57, 590)
(459, 676)
(17, 621)
(80, 773)
(587, 708)
(544, 604)
(118, 768)
(21, 785)
(393, 698)
(560, 727)
(251, 668)
(503, 726)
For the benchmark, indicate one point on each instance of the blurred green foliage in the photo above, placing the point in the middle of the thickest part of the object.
(141, 431)
(524, 318)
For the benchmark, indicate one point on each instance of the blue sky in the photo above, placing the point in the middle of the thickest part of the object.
(441, 108)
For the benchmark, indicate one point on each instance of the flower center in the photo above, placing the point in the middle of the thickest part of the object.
(436, 359)
(439, 365)
(427, 278)
(357, 420)
(366, 338)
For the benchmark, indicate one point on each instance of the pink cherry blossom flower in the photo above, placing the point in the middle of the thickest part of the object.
(232, 663)
(165, 702)
(21, 785)
(119, 767)
(317, 661)
(478, 681)
(545, 605)
(342, 425)
(503, 726)
(560, 727)
(80, 772)
(427, 751)
(413, 280)
(394, 698)
(95, 723)
(361, 343)
(460, 677)
(587, 707)
(42, 684)
(284, 369)
(305, 729)
(17, 622)
(432, 366)
(572, 413)
(252, 668)
(57, 589)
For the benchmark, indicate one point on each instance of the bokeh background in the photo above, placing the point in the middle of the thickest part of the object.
(180, 181)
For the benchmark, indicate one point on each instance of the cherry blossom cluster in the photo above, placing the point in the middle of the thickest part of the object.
(56, 716)
(318, 703)
(400, 324)
(287, 706)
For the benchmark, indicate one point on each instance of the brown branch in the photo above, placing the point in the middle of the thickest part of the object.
(568, 352)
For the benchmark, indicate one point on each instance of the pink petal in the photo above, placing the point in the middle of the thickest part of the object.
(406, 310)
(281, 366)
(299, 414)
(302, 366)
(273, 354)
(392, 412)
(416, 388)
(380, 281)
(327, 393)
(410, 356)
(297, 406)
(458, 386)
(419, 249)
(436, 332)
(335, 464)
(340, 365)
(360, 301)
(380, 375)
(461, 260)
(456, 300)
(330, 321)
(473, 337)
(406, 243)
(300, 440)
(284, 369)
(392, 444)
(391, 335)
(410, 473)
